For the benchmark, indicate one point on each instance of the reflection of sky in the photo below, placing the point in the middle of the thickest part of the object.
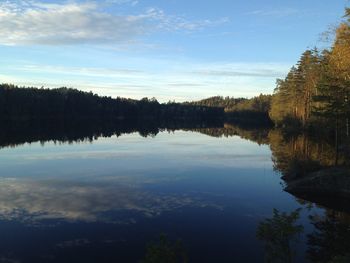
(132, 153)
(35, 200)
(149, 176)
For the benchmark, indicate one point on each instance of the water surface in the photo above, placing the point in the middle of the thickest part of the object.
(106, 200)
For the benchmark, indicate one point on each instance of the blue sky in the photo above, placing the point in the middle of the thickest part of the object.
(169, 49)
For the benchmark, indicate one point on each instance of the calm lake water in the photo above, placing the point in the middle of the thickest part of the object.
(107, 200)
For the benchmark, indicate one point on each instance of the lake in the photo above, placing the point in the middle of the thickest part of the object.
(106, 199)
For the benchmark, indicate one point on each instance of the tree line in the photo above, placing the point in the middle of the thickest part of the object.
(28, 103)
(241, 110)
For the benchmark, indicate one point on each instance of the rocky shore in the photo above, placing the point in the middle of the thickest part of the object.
(331, 182)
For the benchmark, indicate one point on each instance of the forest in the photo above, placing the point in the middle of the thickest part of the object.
(315, 93)
(250, 111)
(29, 103)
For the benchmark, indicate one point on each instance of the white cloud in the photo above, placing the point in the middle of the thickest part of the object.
(80, 71)
(183, 81)
(283, 12)
(33, 22)
(64, 24)
(132, 2)
(171, 22)
(259, 70)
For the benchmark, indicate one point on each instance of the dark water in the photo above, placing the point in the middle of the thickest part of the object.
(107, 200)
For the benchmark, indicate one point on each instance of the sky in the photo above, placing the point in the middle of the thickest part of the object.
(169, 49)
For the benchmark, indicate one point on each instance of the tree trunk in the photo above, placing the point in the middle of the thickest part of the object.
(336, 141)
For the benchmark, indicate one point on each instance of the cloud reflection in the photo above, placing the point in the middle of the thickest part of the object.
(34, 201)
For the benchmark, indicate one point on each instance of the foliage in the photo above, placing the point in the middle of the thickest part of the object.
(293, 95)
(253, 111)
(260, 103)
(219, 101)
(316, 91)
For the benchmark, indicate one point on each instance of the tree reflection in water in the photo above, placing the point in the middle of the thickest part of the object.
(279, 235)
(165, 251)
(330, 241)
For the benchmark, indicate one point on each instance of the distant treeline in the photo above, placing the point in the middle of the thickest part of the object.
(25, 103)
(253, 111)
(28, 103)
